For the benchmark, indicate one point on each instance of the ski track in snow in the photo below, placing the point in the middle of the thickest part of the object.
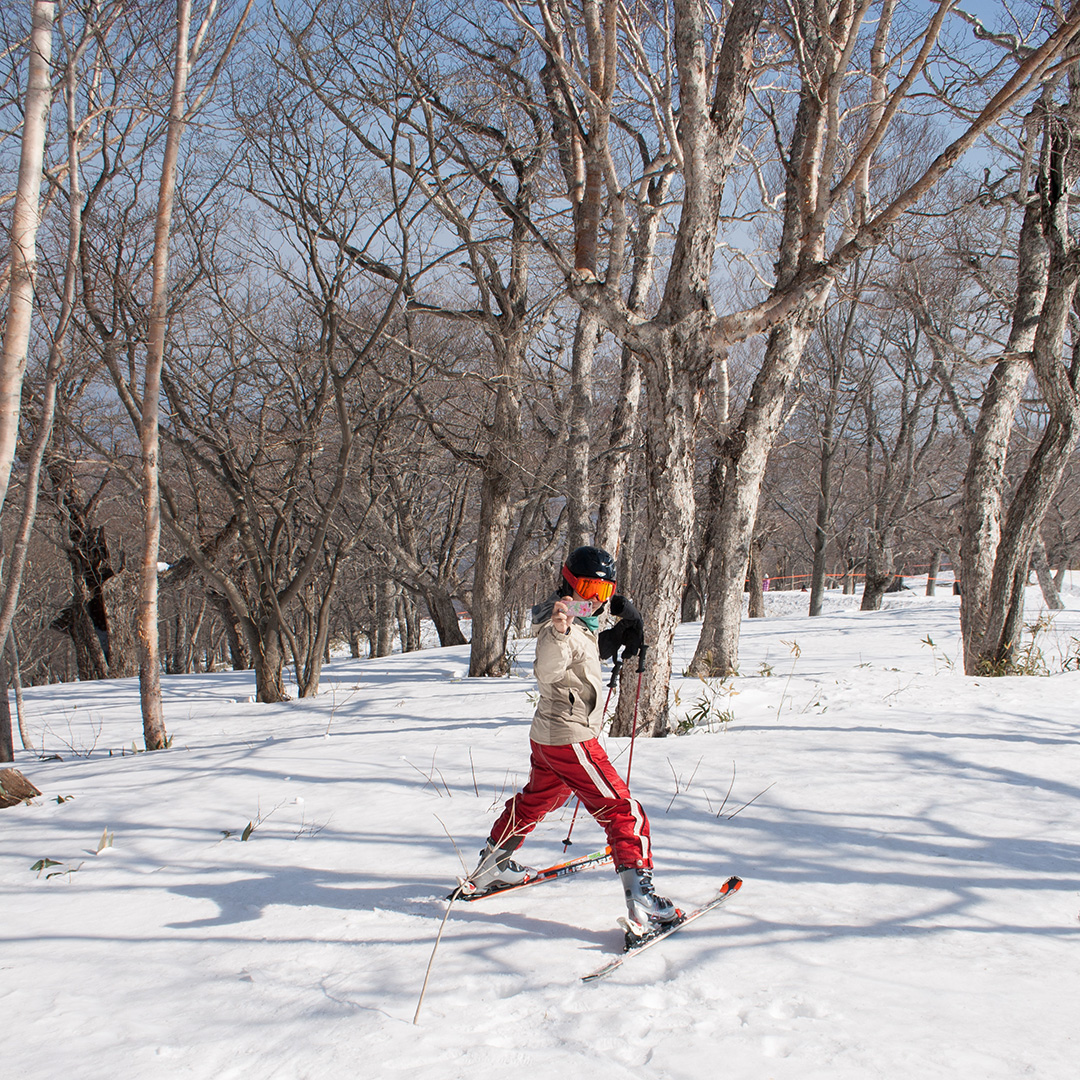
(908, 839)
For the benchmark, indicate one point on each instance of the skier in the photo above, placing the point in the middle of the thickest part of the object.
(567, 757)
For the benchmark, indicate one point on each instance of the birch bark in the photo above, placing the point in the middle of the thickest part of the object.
(994, 580)
(984, 481)
(25, 219)
(154, 734)
(44, 422)
(147, 608)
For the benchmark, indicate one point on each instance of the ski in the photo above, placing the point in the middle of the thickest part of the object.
(549, 873)
(637, 943)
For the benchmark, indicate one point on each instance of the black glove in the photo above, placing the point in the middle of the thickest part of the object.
(627, 634)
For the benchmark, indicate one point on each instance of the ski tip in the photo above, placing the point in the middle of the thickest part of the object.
(733, 884)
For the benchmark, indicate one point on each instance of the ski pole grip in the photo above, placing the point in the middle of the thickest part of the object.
(641, 657)
(615, 674)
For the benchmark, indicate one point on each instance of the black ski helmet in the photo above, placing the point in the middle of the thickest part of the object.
(588, 562)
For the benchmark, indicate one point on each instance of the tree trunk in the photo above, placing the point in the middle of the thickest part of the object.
(755, 605)
(629, 542)
(7, 741)
(1063, 569)
(501, 467)
(824, 499)
(171, 635)
(1046, 578)
(850, 566)
(622, 438)
(692, 605)
(1018, 537)
(239, 653)
(16, 682)
(269, 665)
(75, 620)
(385, 604)
(879, 571)
(100, 617)
(984, 480)
(119, 595)
(43, 426)
(191, 641)
(410, 618)
(25, 218)
(933, 571)
(821, 536)
(149, 646)
(747, 450)
(444, 615)
(984, 494)
(991, 644)
(487, 653)
(747, 447)
(316, 646)
(672, 409)
(624, 421)
(579, 506)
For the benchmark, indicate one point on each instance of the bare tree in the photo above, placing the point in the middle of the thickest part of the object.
(413, 510)
(23, 236)
(186, 54)
(147, 610)
(43, 424)
(828, 161)
(827, 158)
(897, 439)
(476, 152)
(997, 547)
(23, 268)
(835, 409)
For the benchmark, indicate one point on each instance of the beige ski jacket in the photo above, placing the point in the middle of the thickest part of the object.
(567, 670)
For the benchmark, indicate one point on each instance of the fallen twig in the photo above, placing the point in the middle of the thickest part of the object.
(753, 800)
(728, 795)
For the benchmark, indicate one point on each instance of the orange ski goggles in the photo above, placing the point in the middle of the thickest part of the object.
(590, 588)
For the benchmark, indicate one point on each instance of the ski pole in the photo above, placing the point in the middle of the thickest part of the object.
(611, 687)
(567, 841)
(637, 696)
(616, 666)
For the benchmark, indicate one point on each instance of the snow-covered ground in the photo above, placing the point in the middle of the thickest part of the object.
(909, 839)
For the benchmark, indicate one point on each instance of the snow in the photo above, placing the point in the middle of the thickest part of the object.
(908, 838)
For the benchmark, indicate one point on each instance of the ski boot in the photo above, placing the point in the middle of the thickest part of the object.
(646, 912)
(495, 871)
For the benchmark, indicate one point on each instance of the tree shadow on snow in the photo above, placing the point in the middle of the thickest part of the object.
(247, 899)
(935, 875)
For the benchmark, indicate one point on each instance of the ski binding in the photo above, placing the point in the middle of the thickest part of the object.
(639, 938)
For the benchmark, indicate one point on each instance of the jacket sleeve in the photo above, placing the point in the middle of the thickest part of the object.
(554, 654)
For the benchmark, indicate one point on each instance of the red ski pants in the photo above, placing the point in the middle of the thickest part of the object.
(580, 769)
